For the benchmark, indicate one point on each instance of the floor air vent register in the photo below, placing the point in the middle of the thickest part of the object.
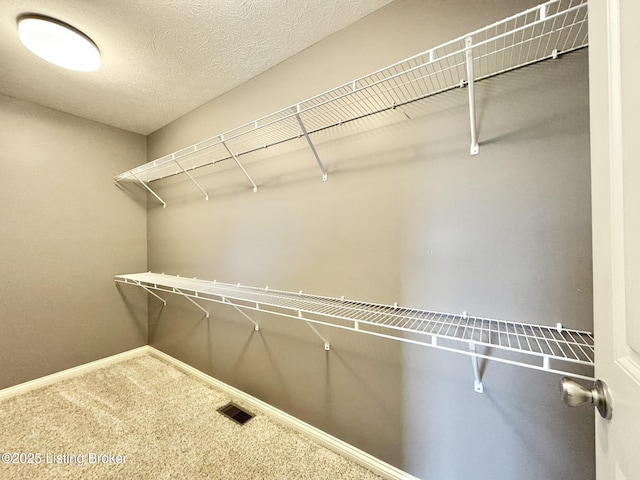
(235, 413)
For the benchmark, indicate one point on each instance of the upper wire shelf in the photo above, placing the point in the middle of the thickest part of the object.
(552, 28)
(552, 349)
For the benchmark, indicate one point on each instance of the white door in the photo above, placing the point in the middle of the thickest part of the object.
(614, 76)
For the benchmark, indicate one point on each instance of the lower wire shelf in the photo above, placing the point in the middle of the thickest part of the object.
(552, 349)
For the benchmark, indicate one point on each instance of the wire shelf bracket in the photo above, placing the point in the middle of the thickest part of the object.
(149, 291)
(206, 195)
(256, 327)
(477, 382)
(327, 346)
(540, 33)
(144, 184)
(188, 297)
(475, 149)
(235, 158)
(313, 148)
(552, 349)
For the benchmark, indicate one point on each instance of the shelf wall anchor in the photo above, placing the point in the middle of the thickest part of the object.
(477, 383)
(475, 149)
(164, 205)
(313, 148)
(256, 327)
(206, 195)
(543, 11)
(177, 290)
(235, 158)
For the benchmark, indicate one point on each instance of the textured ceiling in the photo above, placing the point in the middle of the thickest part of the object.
(163, 58)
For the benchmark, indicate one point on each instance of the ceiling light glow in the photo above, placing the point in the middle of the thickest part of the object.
(58, 43)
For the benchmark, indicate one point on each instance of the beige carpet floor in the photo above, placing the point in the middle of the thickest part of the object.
(144, 419)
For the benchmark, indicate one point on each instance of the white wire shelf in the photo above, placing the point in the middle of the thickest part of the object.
(552, 349)
(543, 32)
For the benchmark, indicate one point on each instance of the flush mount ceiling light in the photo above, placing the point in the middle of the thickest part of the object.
(58, 43)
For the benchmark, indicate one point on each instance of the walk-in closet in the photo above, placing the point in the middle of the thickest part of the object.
(363, 228)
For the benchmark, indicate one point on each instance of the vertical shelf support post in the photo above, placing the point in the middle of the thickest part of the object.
(313, 148)
(177, 290)
(206, 195)
(474, 150)
(477, 382)
(164, 205)
(256, 327)
(235, 158)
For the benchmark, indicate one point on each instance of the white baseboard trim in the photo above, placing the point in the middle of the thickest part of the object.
(348, 451)
(71, 372)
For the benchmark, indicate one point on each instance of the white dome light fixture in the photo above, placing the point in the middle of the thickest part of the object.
(58, 43)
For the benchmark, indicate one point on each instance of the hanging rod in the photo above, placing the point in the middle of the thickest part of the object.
(552, 349)
(546, 31)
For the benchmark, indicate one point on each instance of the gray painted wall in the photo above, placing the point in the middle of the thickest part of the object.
(65, 230)
(406, 216)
